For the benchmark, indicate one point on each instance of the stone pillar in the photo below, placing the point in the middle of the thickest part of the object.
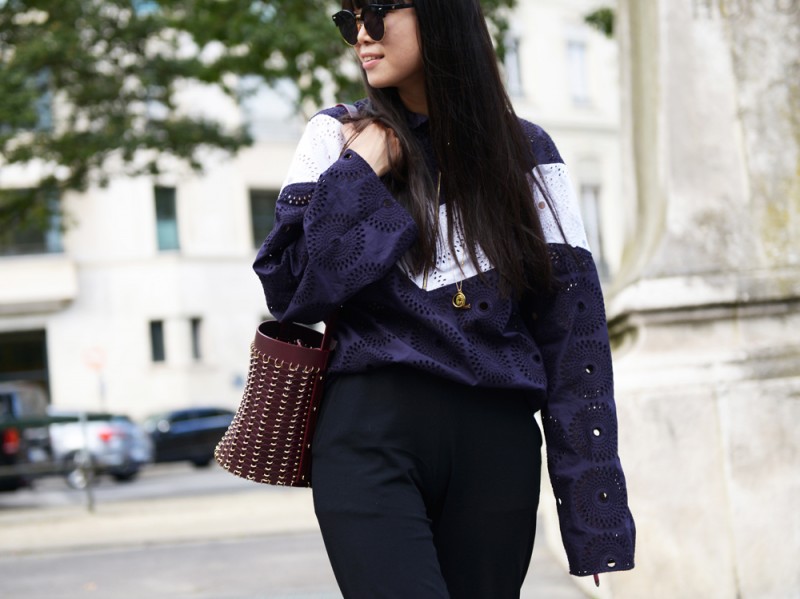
(705, 315)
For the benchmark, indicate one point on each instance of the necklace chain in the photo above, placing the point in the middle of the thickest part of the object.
(459, 299)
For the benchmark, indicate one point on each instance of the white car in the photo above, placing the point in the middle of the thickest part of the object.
(86, 444)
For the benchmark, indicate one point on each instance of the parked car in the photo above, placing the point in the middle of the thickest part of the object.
(190, 434)
(25, 448)
(92, 443)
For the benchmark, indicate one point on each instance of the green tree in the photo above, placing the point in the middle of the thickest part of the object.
(88, 87)
(602, 19)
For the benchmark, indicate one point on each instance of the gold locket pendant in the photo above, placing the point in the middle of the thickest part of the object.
(459, 299)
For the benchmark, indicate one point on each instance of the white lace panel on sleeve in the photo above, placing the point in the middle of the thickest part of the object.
(555, 179)
(319, 147)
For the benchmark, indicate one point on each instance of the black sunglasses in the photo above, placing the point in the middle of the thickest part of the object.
(372, 18)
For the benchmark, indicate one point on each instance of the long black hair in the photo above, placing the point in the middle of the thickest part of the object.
(485, 158)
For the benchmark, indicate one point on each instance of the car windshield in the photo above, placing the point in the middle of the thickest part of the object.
(22, 403)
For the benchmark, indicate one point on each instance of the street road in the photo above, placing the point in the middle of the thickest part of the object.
(278, 566)
(181, 532)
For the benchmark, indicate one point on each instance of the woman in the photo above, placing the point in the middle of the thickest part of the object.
(443, 233)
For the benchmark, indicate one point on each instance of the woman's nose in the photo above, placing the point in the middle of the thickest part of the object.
(363, 36)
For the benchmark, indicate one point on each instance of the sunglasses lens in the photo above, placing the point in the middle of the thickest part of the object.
(346, 22)
(373, 21)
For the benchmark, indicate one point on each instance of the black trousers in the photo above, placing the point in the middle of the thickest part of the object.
(425, 488)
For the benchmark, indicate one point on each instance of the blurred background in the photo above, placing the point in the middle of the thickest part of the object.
(144, 144)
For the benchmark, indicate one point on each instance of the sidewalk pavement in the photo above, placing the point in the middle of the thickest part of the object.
(233, 515)
(241, 514)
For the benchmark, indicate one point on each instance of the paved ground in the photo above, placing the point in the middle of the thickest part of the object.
(245, 542)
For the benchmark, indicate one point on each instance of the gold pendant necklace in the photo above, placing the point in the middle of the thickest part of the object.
(459, 299)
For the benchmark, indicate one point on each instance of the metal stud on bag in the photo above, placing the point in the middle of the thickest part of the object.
(269, 439)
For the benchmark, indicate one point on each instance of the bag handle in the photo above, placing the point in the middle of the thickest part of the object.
(351, 110)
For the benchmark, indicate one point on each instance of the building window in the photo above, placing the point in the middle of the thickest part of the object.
(23, 356)
(40, 231)
(44, 102)
(196, 328)
(577, 72)
(166, 219)
(157, 349)
(513, 66)
(590, 209)
(262, 213)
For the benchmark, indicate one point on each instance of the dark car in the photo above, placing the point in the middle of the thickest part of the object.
(25, 450)
(189, 435)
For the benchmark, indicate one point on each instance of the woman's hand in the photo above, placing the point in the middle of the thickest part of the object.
(375, 143)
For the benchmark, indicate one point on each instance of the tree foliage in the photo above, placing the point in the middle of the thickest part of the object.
(602, 19)
(89, 87)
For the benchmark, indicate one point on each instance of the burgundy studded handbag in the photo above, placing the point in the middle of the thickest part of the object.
(269, 439)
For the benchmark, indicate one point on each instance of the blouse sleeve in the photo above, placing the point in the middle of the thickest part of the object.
(579, 417)
(580, 421)
(337, 229)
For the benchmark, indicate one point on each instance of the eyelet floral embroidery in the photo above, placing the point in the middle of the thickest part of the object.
(600, 498)
(593, 432)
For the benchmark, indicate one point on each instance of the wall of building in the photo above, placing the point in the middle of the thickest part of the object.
(708, 360)
(96, 299)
